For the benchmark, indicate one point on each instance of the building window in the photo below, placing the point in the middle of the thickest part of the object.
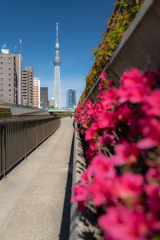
(1, 62)
(1, 89)
(1, 79)
(1, 73)
(9, 63)
(9, 79)
(9, 90)
(1, 57)
(1, 67)
(9, 74)
(9, 68)
(9, 84)
(9, 100)
(1, 84)
(1, 95)
(10, 58)
(9, 95)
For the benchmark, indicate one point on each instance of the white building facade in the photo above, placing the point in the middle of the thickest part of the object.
(10, 77)
(36, 92)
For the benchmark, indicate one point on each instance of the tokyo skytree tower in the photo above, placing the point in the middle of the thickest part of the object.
(57, 63)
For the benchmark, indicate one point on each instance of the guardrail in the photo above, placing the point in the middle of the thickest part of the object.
(18, 138)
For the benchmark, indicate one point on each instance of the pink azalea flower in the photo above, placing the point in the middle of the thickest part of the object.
(133, 94)
(153, 191)
(83, 119)
(85, 177)
(106, 139)
(106, 119)
(130, 186)
(126, 152)
(133, 87)
(109, 97)
(124, 113)
(134, 124)
(90, 113)
(80, 193)
(103, 75)
(103, 166)
(101, 86)
(153, 199)
(121, 223)
(91, 132)
(152, 103)
(151, 78)
(153, 175)
(132, 77)
(101, 190)
(150, 128)
(83, 111)
(89, 153)
(92, 145)
(111, 82)
(100, 96)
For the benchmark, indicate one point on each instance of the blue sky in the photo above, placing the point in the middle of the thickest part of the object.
(81, 27)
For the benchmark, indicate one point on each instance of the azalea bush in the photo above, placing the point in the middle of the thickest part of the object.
(122, 135)
(117, 27)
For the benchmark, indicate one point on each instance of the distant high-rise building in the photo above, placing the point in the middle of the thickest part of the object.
(10, 77)
(36, 92)
(27, 85)
(52, 102)
(70, 98)
(44, 97)
(57, 63)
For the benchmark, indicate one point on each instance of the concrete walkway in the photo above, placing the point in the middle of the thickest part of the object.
(34, 197)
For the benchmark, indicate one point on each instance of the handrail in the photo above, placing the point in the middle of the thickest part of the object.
(18, 138)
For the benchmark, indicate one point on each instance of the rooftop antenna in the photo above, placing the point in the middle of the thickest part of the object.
(15, 49)
(20, 41)
(4, 45)
(57, 32)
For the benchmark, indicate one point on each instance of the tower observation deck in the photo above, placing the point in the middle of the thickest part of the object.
(57, 63)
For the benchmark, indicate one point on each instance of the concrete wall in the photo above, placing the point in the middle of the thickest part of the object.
(139, 48)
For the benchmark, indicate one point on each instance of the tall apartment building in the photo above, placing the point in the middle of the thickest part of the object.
(70, 98)
(27, 85)
(36, 92)
(44, 97)
(10, 77)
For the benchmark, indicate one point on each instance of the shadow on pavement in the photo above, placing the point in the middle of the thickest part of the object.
(65, 224)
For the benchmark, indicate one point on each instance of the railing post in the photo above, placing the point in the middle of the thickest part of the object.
(36, 134)
(43, 130)
(48, 127)
(3, 151)
(24, 133)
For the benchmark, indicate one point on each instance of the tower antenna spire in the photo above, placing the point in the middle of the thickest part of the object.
(57, 32)
(20, 41)
(57, 63)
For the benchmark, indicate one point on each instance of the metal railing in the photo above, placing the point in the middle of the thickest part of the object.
(18, 138)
